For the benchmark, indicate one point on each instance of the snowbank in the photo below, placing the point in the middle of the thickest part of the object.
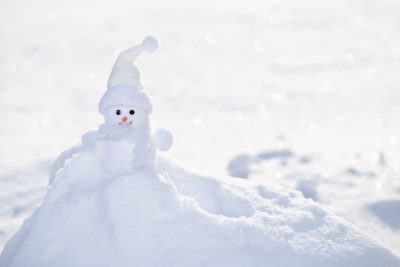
(172, 217)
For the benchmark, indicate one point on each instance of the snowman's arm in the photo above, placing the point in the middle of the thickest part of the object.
(89, 140)
(162, 139)
(60, 161)
(88, 143)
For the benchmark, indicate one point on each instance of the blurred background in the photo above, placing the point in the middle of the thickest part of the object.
(303, 94)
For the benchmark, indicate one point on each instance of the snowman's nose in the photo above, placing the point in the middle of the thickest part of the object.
(124, 119)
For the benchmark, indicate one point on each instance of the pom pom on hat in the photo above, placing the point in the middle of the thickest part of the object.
(150, 43)
(124, 87)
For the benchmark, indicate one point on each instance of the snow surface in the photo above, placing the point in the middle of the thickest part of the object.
(176, 218)
(318, 79)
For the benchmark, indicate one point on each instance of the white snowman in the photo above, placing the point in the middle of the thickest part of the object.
(124, 142)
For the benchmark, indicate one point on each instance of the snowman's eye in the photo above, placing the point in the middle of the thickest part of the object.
(118, 112)
(131, 112)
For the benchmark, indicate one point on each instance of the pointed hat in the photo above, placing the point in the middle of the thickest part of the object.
(124, 87)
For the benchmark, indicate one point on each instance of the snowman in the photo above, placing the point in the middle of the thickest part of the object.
(123, 143)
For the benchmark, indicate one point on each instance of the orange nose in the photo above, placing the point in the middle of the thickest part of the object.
(124, 119)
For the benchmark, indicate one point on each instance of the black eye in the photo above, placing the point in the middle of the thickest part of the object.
(118, 112)
(131, 112)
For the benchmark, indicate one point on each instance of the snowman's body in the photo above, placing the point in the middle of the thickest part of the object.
(123, 143)
(115, 156)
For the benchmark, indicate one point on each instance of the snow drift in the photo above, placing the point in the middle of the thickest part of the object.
(168, 216)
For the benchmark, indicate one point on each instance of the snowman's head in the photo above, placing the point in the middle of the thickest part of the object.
(126, 116)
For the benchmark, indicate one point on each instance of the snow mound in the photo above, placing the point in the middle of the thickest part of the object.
(173, 217)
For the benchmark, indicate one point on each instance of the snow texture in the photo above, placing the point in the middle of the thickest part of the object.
(173, 217)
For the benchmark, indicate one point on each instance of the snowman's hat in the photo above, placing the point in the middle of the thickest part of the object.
(124, 88)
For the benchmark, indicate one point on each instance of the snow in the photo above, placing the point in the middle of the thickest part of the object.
(175, 217)
(318, 79)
